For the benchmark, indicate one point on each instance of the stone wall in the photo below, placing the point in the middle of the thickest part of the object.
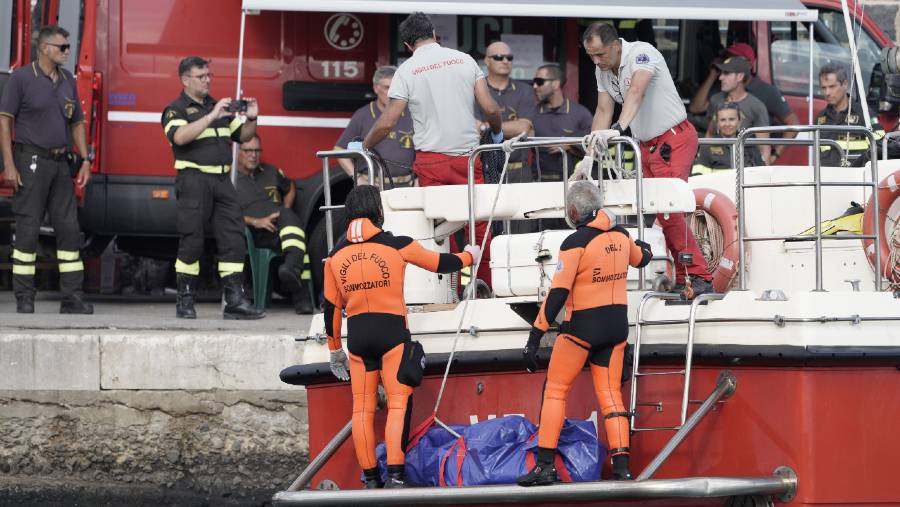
(150, 447)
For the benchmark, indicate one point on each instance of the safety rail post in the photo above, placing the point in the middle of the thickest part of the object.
(817, 184)
(324, 455)
(328, 208)
(689, 351)
(884, 143)
(635, 363)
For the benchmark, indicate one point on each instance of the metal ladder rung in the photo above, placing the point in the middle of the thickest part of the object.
(659, 428)
(655, 373)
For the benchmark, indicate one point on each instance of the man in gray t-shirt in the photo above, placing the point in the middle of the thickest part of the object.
(734, 72)
(440, 85)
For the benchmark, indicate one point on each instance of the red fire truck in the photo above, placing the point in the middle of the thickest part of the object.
(311, 70)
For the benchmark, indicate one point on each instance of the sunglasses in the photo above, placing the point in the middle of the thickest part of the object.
(62, 47)
(728, 105)
(500, 58)
(539, 81)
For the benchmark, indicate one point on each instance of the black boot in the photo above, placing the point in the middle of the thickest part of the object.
(620, 470)
(373, 479)
(396, 477)
(543, 473)
(290, 281)
(303, 305)
(237, 306)
(74, 304)
(24, 304)
(184, 301)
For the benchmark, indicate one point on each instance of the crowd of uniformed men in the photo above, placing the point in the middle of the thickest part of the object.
(419, 140)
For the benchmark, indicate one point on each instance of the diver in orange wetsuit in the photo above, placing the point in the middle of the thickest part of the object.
(364, 276)
(590, 282)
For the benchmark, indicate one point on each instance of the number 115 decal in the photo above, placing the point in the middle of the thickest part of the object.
(336, 69)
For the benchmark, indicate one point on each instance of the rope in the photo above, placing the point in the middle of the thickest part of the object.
(507, 150)
(892, 269)
(709, 238)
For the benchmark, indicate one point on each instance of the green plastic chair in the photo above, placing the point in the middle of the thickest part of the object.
(260, 259)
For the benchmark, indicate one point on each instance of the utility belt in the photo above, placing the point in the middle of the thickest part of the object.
(57, 154)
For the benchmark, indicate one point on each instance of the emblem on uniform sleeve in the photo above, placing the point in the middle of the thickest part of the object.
(69, 108)
(559, 266)
(642, 58)
(852, 118)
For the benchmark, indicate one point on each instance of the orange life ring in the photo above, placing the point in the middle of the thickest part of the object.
(723, 210)
(888, 192)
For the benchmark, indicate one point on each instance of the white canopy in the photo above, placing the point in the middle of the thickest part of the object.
(755, 10)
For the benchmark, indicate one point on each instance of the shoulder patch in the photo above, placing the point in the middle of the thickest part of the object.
(642, 58)
(821, 119)
(170, 114)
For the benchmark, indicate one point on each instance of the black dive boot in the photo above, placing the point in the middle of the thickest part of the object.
(74, 304)
(237, 306)
(184, 301)
(620, 470)
(373, 479)
(543, 473)
(396, 477)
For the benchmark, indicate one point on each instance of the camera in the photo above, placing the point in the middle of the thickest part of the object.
(237, 106)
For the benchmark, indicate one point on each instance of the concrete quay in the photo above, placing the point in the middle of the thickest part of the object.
(133, 406)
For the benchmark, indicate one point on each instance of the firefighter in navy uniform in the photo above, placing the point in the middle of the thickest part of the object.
(834, 82)
(267, 201)
(591, 284)
(201, 131)
(364, 277)
(41, 101)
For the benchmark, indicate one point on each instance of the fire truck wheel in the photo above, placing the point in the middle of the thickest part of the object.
(318, 246)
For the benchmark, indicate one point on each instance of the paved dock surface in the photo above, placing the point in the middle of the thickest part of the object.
(136, 313)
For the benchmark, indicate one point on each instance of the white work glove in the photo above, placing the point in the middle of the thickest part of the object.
(475, 251)
(599, 139)
(339, 365)
(497, 138)
(582, 170)
(355, 146)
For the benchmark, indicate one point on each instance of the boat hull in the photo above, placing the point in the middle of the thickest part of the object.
(833, 424)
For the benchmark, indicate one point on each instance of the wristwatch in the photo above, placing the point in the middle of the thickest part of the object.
(90, 154)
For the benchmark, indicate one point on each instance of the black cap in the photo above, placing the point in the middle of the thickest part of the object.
(735, 64)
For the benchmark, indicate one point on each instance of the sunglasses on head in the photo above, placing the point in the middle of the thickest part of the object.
(728, 105)
(62, 47)
(500, 58)
(539, 81)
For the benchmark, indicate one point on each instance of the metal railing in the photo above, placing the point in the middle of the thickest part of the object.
(329, 208)
(764, 141)
(816, 184)
(545, 142)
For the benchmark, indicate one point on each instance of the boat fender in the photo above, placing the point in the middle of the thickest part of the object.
(888, 193)
(723, 210)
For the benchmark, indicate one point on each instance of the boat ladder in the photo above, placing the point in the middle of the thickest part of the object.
(636, 372)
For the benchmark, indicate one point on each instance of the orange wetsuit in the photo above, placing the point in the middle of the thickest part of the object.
(590, 282)
(364, 275)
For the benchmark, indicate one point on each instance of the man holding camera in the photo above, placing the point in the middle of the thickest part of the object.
(201, 130)
(41, 102)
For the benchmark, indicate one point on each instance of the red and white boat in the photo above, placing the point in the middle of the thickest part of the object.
(786, 386)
